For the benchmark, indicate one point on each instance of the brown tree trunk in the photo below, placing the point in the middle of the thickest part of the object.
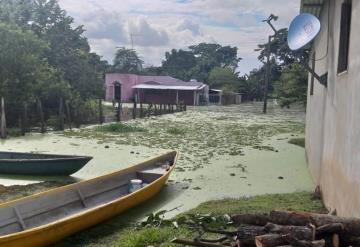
(329, 229)
(351, 225)
(3, 133)
(196, 243)
(299, 232)
(273, 240)
(250, 219)
(270, 240)
(246, 235)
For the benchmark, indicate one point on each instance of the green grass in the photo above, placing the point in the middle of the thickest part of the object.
(119, 128)
(298, 141)
(117, 233)
(14, 132)
(176, 131)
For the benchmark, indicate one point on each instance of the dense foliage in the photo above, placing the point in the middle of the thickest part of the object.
(127, 61)
(199, 60)
(45, 58)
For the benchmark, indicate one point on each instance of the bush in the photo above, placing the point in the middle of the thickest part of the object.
(176, 131)
(119, 128)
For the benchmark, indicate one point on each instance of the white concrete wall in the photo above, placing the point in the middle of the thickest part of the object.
(333, 117)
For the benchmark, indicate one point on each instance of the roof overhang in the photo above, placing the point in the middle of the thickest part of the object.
(313, 7)
(167, 87)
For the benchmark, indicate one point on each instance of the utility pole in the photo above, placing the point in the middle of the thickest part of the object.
(132, 39)
(268, 66)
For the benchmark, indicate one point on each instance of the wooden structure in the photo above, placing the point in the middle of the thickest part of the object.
(45, 218)
(128, 88)
(41, 164)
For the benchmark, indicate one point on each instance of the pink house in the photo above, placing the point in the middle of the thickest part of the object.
(154, 89)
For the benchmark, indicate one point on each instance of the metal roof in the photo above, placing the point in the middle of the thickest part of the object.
(312, 7)
(168, 87)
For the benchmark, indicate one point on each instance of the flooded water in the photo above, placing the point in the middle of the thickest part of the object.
(224, 152)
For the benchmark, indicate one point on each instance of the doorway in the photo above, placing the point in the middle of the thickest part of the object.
(117, 91)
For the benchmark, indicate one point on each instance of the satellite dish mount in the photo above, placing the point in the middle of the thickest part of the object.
(303, 29)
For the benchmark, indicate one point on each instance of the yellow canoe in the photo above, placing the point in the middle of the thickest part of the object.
(48, 217)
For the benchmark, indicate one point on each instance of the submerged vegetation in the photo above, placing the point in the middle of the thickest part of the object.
(119, 128)
(118, 233)
(201, 134)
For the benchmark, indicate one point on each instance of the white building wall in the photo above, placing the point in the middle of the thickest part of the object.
(333, 117)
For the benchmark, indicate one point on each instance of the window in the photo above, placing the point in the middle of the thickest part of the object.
(344, 36)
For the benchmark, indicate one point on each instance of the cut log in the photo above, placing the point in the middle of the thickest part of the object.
(273, 240)
(247, 234)
(270, 240)
(299, 232)
(330, 229)
(223, 232)
(347, 240)
(196, 243)
(351, 225)
(304, 243)
(250, 219)
(335, 240)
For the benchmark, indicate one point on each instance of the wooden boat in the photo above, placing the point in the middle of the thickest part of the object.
(45, 218)
(40, 164)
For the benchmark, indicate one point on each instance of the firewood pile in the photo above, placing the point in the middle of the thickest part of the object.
(284, 229)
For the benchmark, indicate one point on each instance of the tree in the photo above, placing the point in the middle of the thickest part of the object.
(199, 61)
(179, 63)
(223, 78)
(127, 61)
(290, 77)
(65, 69)
(209, 56)
(23, 68)
(291, 87)
(281, 52)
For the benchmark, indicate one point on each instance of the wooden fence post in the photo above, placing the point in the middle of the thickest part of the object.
(41, 114)
(134, 109)
(149, 109)
(101, 113)
(141, 110)
(3, 119)
(118, 112)
(68, 114)
(61, 114)
(23, 119)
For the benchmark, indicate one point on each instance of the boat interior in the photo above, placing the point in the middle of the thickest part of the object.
(54, 205)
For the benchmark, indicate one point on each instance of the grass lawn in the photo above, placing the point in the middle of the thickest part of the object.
(117, 233)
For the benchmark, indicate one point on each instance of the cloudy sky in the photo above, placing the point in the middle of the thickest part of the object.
(160, 25)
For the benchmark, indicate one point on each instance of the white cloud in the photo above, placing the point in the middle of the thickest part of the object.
(189, 25)
(166, 24)
(146, 35)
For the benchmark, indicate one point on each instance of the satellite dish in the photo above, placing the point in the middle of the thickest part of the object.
(302, 30)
